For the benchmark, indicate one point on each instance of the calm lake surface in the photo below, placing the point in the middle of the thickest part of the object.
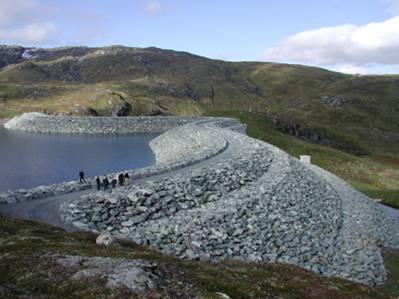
(28, 160)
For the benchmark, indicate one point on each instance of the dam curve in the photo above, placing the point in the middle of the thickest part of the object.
(214, 194)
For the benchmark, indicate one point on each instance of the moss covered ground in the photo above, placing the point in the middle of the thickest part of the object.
(28, 269)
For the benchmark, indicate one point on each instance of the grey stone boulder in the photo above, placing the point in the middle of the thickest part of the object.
(137, 275)
(122, 109)
(105, 239)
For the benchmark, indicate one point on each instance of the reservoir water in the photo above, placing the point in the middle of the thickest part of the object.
(28, 159)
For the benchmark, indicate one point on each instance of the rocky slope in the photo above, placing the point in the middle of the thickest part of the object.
(257, 204)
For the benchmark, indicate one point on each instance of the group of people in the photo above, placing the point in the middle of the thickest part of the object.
(121, 180)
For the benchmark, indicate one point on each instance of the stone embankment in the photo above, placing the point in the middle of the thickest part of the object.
(42, 123)
(257, 204)
(41, 192)
(199, 144)
(247, 200)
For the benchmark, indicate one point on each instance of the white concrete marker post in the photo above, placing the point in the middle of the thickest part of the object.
(305, 159)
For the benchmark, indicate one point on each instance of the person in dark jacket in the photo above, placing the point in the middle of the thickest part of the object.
(106, 183)
(121, 179)
(98, 182)
(82, 177)
(114, 182)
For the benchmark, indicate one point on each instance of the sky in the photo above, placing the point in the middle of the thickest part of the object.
(352, 36)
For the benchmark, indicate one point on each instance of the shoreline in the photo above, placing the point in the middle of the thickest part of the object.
(167, 159)
(3, 121)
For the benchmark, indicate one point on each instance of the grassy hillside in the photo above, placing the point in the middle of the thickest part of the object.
(377, 176)
(355, 114)
(29, 269)
(349, 124)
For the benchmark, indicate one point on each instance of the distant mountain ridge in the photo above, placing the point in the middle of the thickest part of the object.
(351, 113)
(17, 54)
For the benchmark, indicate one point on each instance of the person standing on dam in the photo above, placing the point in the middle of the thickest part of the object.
(127, 177)
(114, 181)
(82, 177)
(106, 183)
(121, 179)
(98, 182)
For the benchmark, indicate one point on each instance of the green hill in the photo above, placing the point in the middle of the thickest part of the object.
(349, 124)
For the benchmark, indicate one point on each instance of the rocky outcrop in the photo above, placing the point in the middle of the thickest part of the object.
(137, 275)
(122, 109)
(335, 102)
(317, 136)
(16, 54)
(10, 55)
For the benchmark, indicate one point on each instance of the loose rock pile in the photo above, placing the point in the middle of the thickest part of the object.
(42, 123)
(198, 144)
(365, 229)
(256, 204)
(118, 212)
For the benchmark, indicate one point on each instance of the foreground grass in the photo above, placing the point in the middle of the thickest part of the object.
(391, 258)
(28, 269)
(376, 176)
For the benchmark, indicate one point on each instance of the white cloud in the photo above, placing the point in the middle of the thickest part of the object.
(153, 7)
(347, 44)
(21, 21)
(32, 33)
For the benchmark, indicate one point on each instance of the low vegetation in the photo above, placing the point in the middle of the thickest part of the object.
(375, 175)
(28, 268)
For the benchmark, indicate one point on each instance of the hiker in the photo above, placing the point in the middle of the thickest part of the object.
(127, 177)
(121, 179)
(82, 177)
(106, 183)
(98, 182)
(114, 182)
